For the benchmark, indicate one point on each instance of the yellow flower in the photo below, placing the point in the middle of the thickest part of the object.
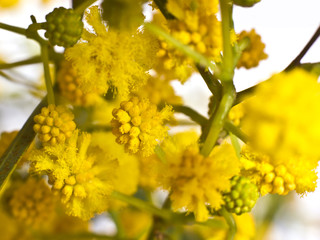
(106, 58)
(279, 176)
(81, 173)
(127, 174)
(254, 53)
(149, 172)
(158, 91)
(282, 118)
(31, 202)
(68, 81)
(54, 124)
(236, 114)
(191, 27)
(138, 125)
(197, 182)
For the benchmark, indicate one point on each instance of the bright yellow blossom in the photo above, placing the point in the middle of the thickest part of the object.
(31, 202)
(81, 173)
(197, 182)
(158, 91)
(54, 124)
(107, 57)
(127, 174)
(282, 117)
(138, 125)
(68, 81)
(236, 114)
(279, 176)
(254, 53)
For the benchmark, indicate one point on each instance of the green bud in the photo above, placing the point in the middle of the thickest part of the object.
(242, 196)
(64, 27)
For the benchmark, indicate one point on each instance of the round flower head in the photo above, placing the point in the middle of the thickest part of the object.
(63, 27)
(279, 176)
(254, 53)
(68, 81)
(138, 125)
(82, 174)
(54, 124)
(276, 119)
(108, 58)
(31, 202)
(195, 181)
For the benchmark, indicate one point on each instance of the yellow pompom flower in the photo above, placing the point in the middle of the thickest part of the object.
(82, 174)
(107, 57)
(276, 118)
(54, 124)
(197, 182)
(158, 91)
(236, 114)
(193, 28)
(69, 82)
(254, 53)
(32, 202)
(279, 176)
(139, 125)
(127, 175)
(149, 172)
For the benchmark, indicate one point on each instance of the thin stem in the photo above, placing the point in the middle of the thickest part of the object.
(296, 61)
(242, 95)
(45, 60)
(77, 236)
(11, 79)
(231, 223)
(83, 6)
(194, 115)
(143, 205)
(228, 62)
(32, 60)
(216, 122)
(14, 29)
(19, 145)
(212, 82)
(162, 7)
(187, 50)
(230, 127)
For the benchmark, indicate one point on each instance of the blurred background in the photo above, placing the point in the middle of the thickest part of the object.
(285, 26)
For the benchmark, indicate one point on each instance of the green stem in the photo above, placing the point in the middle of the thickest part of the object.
(212, 82)
(19, 145)
(83, 6)
(228, 62)
(216, 122)
(231, 223)
(230, 127)
(77, 236)
(187, 50)
(142, 205)
(47, 75)
(14, 29)
(194, 115)
(31, 60)
(11, 79)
